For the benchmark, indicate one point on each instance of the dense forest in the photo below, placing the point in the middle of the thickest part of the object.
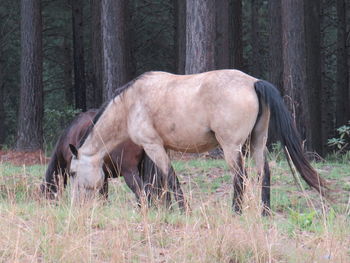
(60, 57)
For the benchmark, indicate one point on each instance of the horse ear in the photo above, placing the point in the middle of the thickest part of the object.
(73, 150)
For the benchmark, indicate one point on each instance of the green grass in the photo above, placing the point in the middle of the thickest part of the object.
(302, 228)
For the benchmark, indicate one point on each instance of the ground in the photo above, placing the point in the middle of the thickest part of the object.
(303, 227)
(23, 158)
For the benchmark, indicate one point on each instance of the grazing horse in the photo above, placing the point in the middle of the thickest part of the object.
(191, 113)
(126, 160)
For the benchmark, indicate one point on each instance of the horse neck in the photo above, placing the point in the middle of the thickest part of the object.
(109, 131)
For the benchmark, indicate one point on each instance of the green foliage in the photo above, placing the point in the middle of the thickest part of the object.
(303, 221)
(276, 152)
(55, 121)
(341, 142)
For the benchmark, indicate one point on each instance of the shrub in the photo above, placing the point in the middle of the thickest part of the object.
(341, 143)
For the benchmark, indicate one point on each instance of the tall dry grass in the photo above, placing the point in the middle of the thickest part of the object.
(35, 230)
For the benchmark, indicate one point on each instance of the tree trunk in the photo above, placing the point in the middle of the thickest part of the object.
(342, 95)
(327, 87)
(275, 60)
(2, 107)
(116, 69)
(313, 71)
(348, 47)
(96, 46)
(30, 132)
(200, 36)
(78, 54)
(275, 43)
(294, 78)
(256, 68)
(180, 35)
(222, 51)
(236, 42)
(68, 72)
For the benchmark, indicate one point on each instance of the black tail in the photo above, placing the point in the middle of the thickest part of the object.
(288, 135)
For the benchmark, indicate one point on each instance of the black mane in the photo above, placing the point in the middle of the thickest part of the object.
(95, 119)
(116, 93)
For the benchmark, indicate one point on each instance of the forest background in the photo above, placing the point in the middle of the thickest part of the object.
(60, 57)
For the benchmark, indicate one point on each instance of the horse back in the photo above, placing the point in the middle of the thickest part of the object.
(186, 110)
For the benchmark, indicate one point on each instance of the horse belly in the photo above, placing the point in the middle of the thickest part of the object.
(195, 141)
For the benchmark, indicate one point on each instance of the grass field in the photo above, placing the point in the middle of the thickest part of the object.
(302, 228)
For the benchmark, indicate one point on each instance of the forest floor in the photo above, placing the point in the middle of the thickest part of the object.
(302, 228)
(23, 158)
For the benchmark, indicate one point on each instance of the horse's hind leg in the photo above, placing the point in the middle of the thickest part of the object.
(239, 184)
(258, 145)
(265, 192)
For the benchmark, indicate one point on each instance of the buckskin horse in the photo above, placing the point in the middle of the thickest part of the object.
(125, 160)
(191, 113)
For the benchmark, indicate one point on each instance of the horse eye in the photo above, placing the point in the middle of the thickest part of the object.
(73, 174)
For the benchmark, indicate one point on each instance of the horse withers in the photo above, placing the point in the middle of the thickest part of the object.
(192, 113)
(126, 160)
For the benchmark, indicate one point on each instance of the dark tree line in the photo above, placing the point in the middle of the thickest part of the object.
(57, 56)
(29, 131)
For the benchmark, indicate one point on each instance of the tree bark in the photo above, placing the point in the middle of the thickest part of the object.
(256, 61)
(236, 43)
(348, 46)
(68, 72)
(313, 71)
(347, 4)
(116, 69)
(30, 132)
(275, 43)
(328, 85)
(180, 35)
(78, 54)
(342, 95)
(222, 51)
(294, 66)
(275, 57)
(96, 46)
(2, 107)
(200, 36)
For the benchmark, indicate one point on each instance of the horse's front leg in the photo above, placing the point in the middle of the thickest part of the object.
(175, 187)
(148, 173)
(133, 180)
(142, 132)
(159, 156)
(104, 189)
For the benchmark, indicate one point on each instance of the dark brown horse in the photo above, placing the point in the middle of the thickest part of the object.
(125, 160)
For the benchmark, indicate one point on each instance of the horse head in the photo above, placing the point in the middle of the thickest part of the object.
(87, 175)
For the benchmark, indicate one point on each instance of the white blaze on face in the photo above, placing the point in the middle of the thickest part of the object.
(87, 173)
(73, 165)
